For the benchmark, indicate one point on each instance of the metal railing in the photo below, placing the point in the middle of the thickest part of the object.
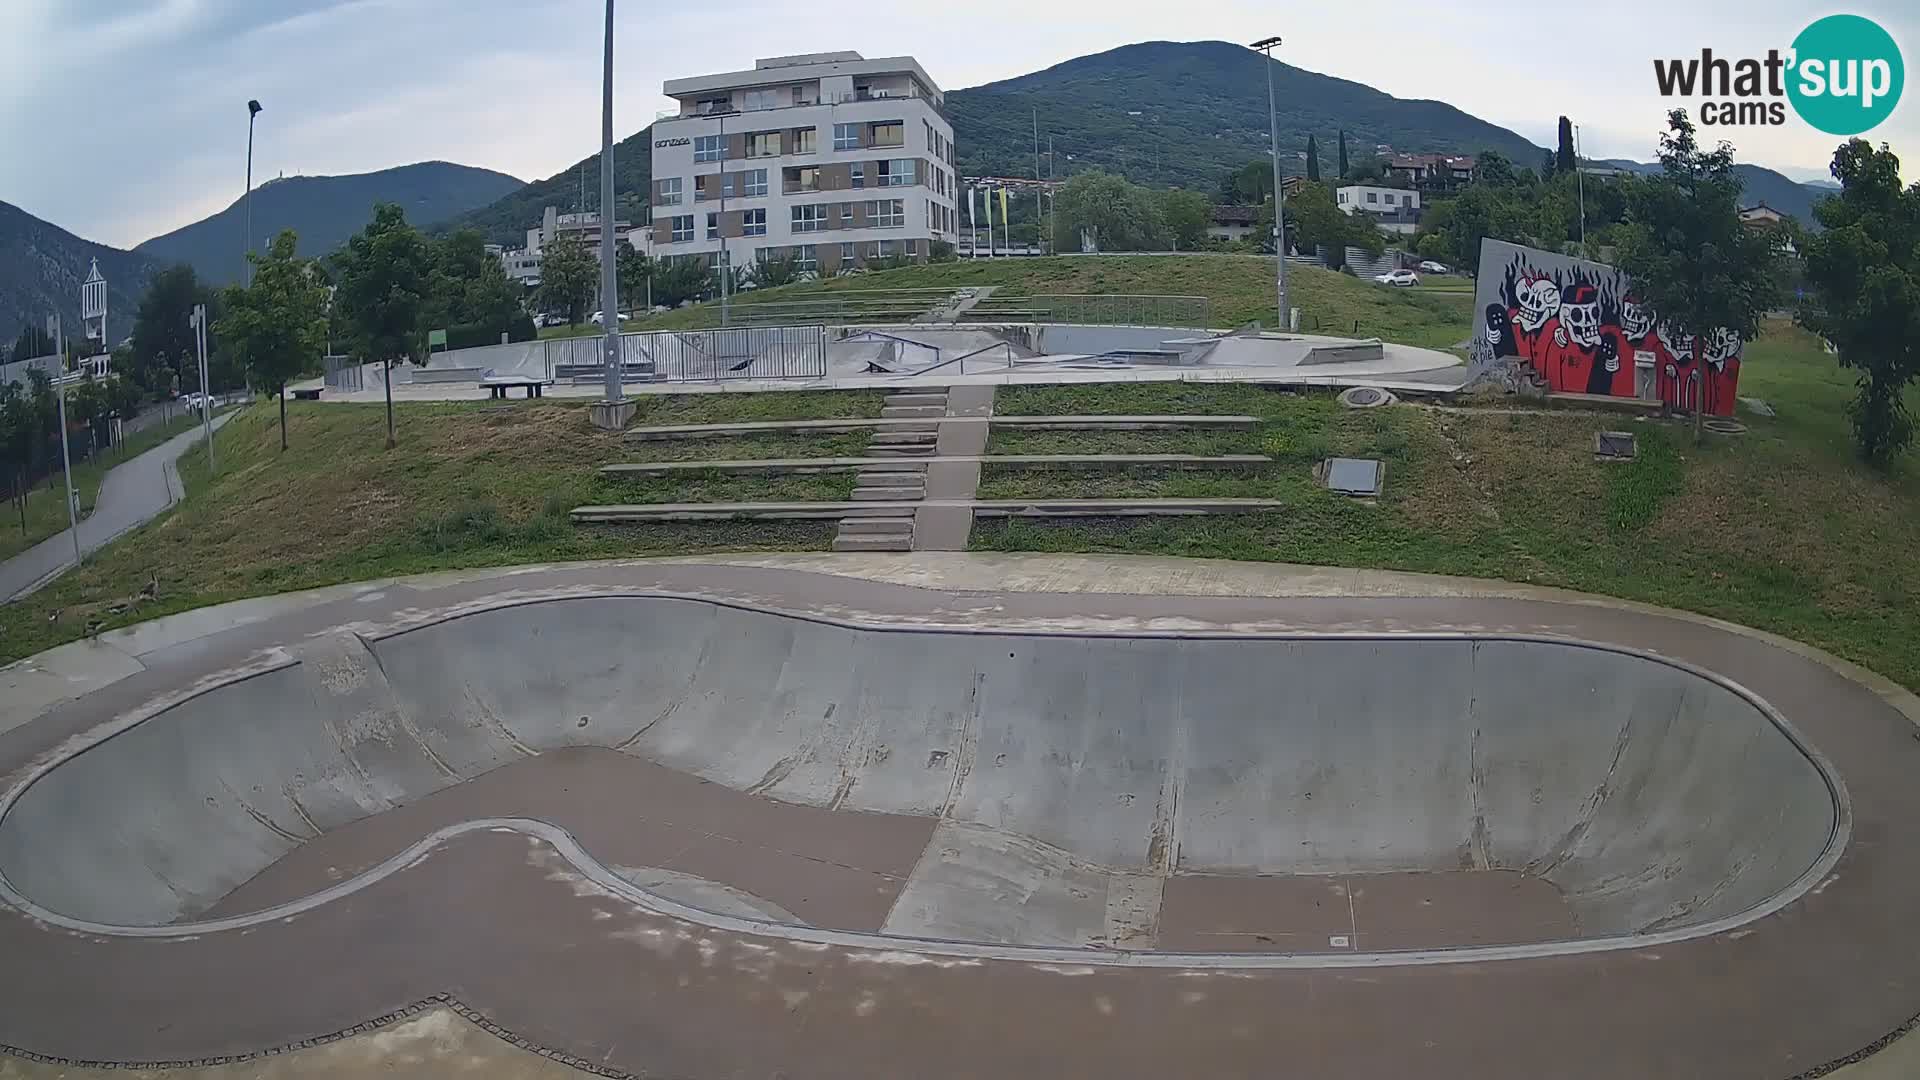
(1109, 309)
(742, 352)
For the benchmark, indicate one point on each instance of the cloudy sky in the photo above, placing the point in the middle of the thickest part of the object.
(122, 119)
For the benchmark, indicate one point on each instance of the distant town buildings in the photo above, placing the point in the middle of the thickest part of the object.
(830, 157)
(1393, 209)
(1233, 222)
(1431, 170)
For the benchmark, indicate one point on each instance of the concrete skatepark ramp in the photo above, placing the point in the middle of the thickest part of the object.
(1081, 790)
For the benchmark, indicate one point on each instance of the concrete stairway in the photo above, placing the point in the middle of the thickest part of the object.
(887, 481)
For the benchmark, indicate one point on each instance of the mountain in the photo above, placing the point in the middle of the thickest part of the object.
(325, 211)
(42, 266)
(507, 219)
(1759, 185)
(1184, 113)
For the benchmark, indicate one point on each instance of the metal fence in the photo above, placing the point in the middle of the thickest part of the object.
(342, 373)
(742, 352)
(1097, 309)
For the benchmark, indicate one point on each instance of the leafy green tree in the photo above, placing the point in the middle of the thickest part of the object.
(470, 295)
(383, 279)
(1689, 255)
(1865, 276)
(1187, 214)
(1119, 216)
(1433, 246)
(1313, 159)
(278, 324)
(1494, 170)
(568, 277)
(676, 281)
(1547, 164)
(165, 355)
(1249, 185)
(16, 444)
(1340, 163)
(773, 271)
(1564, 160)
(634, 270)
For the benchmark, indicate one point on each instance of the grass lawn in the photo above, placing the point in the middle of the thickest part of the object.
(471, 484)
(47, 504)
(1239, 287)
(1781, 528)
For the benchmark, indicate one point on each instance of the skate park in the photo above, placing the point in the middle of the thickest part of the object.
(820, 813)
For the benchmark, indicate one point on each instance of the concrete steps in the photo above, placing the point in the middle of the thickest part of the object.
(889, 494)
(883, 477)
(888, 483)
(912, 412)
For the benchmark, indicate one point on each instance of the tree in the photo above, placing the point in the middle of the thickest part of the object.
(1433, 246)
(1564, 160)
(634, 270)
(1187, 214)
(1341, 162)
(568, 277)
(16, 444)
(676, 281)
(1313, 159)
(1865, 276)
(1547, 165)
(383, 278)
(1689, 255)
(278, 324)
(1250, 184)
(1494, 170)
(165, 354)
(470, 296)
(773, 271)
(1119, 216)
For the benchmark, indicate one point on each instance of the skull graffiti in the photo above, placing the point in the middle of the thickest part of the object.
(1539, 301)
(1677, 341)
(1719, 346)
(1636, 319)
(1580, 315)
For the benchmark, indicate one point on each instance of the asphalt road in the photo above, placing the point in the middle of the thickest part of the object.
(131, 495)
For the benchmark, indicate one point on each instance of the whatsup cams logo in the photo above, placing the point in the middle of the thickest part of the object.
(1843, 75)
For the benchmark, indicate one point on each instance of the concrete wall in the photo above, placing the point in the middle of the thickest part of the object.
(1651, 796)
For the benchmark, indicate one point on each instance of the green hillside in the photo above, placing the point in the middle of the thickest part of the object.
(325, 211)
(42, 266)
(1202, 110)
(507, 219)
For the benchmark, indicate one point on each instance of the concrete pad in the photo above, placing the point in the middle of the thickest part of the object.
(980, 884)
(942, 527)
(28, 688)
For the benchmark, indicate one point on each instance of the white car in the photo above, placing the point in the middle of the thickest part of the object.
(192, 401)
(1431, 267)
(1398, 277)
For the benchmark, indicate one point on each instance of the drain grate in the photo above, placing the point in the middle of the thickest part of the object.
(1722, 426)
(1614, 445)
(1365, 397)
(1354, 476)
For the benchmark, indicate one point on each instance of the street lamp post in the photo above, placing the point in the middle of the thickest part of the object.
(66, 457)
(246, 264)
(609, 277)
(1265, 47)
(199, 321)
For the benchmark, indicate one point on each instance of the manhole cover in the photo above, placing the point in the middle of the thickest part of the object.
(1724, 427)
(1613, 445)
(1365, 397)
(1354, 476)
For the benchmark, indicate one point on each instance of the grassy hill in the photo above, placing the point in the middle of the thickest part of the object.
(1201, 110)
(1239, 289)
(42, 266)
(325, 211)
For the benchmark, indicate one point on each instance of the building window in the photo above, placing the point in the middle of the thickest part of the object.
(683, 228)
(1373, 196)
(1389, 200)
(810, 218)
(670, 191)
(883, 249)
(753, 182)
(753, 222)
(897, 172)
(1343, 198)
(799, 95)
(799, 179)
(709, 147)
(803, 141)
(846, 136)
(846, 215)
(858, 174)
(763, 144)
(846, 253)
(887, 213)
(888, 133)
(807, 259)
(713, 226)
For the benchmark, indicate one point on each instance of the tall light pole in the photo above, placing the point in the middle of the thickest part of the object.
(609, 279)
(246, 263)
(66, 458)
(1580, 181)
(198, 320)
(726, 268)
(1265, 47)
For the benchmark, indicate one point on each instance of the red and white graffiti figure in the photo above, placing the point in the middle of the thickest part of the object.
(1539, 302)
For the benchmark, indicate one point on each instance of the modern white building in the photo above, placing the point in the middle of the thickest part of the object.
(1393, 209)
(555, 225)
(831, 157)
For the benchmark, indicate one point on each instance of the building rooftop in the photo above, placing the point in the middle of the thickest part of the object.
(776, 70)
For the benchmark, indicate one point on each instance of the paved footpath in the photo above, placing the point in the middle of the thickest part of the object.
(132, 494)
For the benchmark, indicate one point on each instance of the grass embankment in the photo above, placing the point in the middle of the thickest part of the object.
(471, 484)
(1239, 288)
(47, 502)
(1781, 528)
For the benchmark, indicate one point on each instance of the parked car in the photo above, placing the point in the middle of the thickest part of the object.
(1431, 267)
(193, 400)
(1398, 277)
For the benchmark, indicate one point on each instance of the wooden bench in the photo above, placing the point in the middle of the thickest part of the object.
(497, 388)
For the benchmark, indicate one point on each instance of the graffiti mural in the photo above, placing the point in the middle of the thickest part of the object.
(1553, 323)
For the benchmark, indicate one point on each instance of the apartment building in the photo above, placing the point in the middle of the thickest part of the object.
(831, 157)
